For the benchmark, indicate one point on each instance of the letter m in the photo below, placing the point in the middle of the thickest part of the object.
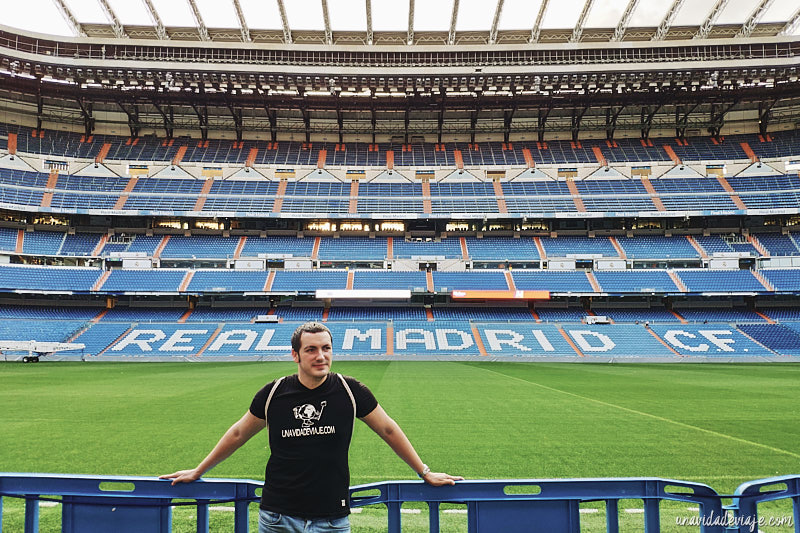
(373, 335)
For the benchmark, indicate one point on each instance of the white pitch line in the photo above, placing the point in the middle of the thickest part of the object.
(649, 415)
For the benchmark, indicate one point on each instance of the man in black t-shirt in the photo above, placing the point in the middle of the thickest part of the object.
(310, 417)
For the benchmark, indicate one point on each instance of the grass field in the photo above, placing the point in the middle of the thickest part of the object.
(714, 423)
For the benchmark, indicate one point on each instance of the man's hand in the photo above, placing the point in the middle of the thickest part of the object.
(182, 476)
(437, 479)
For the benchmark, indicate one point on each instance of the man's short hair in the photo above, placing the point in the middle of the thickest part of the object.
(308, 327)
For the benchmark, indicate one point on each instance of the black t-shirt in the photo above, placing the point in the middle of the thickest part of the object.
(307, 474)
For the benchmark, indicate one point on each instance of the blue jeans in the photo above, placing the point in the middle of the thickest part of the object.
(269, 522)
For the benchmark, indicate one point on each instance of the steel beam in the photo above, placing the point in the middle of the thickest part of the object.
(158, 24)
(622, 25)
(287, 32)
(242, 22)
(666, 24)
(752, 21)
(792, 24)
(198, 20)
(578, 31)
(69, 17)
(410, 33)
(451, 37)
(537, 26)
(116, 25)
(493, 31)
(326, 19)
(368, 7)
(711, 19)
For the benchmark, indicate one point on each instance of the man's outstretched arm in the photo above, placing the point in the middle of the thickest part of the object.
(232, 440)
(390, 431)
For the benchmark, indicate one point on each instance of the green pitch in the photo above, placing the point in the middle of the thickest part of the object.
(713, 423)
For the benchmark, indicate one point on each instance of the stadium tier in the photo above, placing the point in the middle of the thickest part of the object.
(147, 333)
(169, 280)
(333, 249)
(25, 190)
(53, 143)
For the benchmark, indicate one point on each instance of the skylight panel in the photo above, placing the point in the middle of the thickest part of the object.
(391, 16)
(606, 13)
(48, 18)
(737, 11)
(693, 13)
(475, 15)
(261, 14)
(649, 14)
(130, 13)
(87, 11)
(351, 15)
(217, 14)
(433, 16)
(304, 14)
(174, 13)
(562, 14)
(780, 11)
(518, 14)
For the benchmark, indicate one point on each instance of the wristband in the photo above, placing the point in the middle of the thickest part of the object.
(425, 471)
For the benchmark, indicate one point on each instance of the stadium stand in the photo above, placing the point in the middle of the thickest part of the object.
(571, 246)
(636, 281)
(655, 246)
(51, 279)
(309, 280)
(144, 281)
(776, 337)
(350, 248)
(501, 249)
(720, 280)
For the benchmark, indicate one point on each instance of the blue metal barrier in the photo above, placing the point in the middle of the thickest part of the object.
(125, 504)
(133, 504)
(539, 505)
(749, 495)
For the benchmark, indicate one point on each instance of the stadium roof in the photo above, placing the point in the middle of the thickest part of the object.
(408, 22)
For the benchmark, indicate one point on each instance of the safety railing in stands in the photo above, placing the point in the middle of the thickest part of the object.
(133, 504)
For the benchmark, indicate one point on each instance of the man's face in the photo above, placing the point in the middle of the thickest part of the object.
(314, 357)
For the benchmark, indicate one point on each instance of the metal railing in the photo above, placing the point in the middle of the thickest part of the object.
(134, 504)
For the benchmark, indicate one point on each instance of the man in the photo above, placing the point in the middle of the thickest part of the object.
(310, 418)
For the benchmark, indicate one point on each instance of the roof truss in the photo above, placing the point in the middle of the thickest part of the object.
(665, 25)
(116, 25)
(578, 31)
(451, 38)
(792, 24)
(493, 30)
(410, 33)
(368, 7)
(327, 21)
(622, 26)
(287, 32)
(161, 31)
(198, 20)
(537, 26)
(242, 22)
(708, 24)
(69, 17)
(750, 24)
